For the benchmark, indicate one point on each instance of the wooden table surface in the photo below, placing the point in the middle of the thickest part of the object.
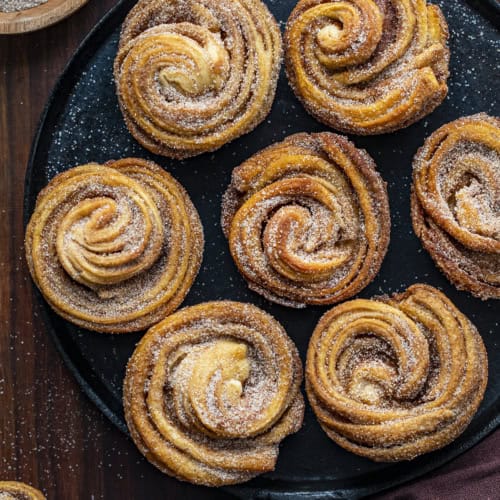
(51, 436)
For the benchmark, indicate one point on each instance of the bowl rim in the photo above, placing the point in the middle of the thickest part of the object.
(36, 18)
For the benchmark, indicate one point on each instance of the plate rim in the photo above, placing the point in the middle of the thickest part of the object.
(272, 488)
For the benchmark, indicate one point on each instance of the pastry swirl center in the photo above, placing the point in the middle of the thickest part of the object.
(313, 234)
(373, 358)
(346, 33)
(473, 193)
(104, 240)
(209, 388)
(216, 374)
(194, 60)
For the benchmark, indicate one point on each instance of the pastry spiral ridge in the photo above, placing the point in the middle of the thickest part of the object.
(192, 76)
(456, 202)
(393, 378)
(104, 240)
(114, 247)
(367, 66)
(307, 220)
(211, 391)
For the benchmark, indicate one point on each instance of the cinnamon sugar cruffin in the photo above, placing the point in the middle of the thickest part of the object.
(307, 220)
(394, 378)
(211, 391)
(114, 248)
(13, 490)
(456, 202)
(192, 76)
(366, 67)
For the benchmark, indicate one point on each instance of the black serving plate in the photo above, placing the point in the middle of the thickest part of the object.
(82, 123)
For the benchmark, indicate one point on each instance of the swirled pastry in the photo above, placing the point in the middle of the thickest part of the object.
(307, 220)
(211, 391)
(12, 490)
(456, 202)
(194, 75)
(114, 248)
(367, 66)
(393, 378)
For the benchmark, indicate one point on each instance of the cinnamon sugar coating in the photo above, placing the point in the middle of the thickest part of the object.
(13, 490)
(211, 391)
(367, 66)
(456, 202)
(116, 247)
(307, 220)
(194, 75)
(394, 378)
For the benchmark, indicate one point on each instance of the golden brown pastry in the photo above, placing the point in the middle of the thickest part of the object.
(367, 66)
(194, 75)
(393, 378)
(12, 490)
(456, 202)
(116, 247)
(211, 391)
(307, 220)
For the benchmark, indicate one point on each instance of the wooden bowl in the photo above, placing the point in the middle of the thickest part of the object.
(38, 17)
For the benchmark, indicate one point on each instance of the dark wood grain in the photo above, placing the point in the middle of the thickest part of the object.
(51, 436)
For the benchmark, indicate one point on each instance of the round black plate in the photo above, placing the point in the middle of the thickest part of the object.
(82, 123)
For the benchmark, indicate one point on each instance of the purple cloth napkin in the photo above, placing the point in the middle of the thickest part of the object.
(474, 475)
